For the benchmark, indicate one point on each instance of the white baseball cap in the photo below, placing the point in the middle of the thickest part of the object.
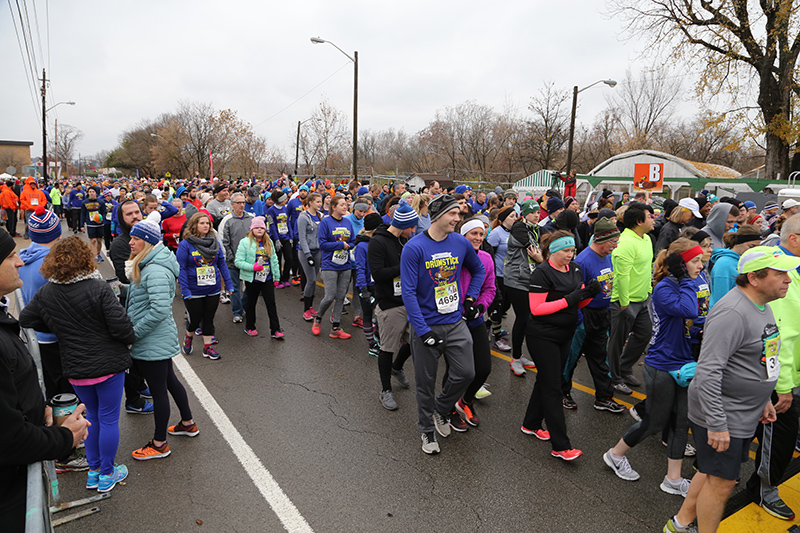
(691, 205)
(790, 203)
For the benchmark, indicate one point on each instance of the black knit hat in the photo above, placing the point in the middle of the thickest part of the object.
(441, 205)
(372, 221)
(6, 245)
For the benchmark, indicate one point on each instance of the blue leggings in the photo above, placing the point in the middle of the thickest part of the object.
(102, 410)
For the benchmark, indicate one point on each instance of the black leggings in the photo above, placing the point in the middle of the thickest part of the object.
(267, 290)
(545, 402)
(201, 310)
(385, 365)
(107, 236)
(161, 378)
(520, 303)
(499, 306)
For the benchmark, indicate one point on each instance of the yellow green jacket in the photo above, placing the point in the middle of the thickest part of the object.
(632, 261)
(786, 315)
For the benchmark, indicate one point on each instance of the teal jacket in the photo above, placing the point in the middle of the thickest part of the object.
(149, 306)
(724, 270)
(246, 258)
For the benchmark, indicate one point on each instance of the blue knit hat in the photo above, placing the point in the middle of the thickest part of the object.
(362, 191)
(149, 229)
(44, 226)
(461, 189)
(404, 216)
(180, 191)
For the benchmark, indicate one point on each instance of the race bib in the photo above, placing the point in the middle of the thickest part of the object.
(446, 298)
(206, 276)
(398, 291)
(340, 257)
(283, 228)
(34, 201)
(771, 348)
(262, 276)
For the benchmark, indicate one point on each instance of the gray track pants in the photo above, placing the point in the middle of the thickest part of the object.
(458, 353)
(311, 273)
(634, 321)
(336, 283)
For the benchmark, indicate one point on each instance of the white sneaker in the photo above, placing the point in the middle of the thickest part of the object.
(442, 424)
(429, 444)
(679, 487)
(517, 368)
(223, 298)
(527, 363)
(621, 468)
(237, 319)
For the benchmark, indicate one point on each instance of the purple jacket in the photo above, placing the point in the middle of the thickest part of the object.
(488, 289)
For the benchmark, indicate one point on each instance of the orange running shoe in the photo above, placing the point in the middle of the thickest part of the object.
(339, 334)
(151, 451)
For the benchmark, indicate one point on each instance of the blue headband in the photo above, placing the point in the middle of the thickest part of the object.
(561, 243)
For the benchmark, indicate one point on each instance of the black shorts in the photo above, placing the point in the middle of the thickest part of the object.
(94, 232)
(725, 465)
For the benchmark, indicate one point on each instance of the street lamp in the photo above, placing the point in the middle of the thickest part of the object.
(297, 146)
(44, 132)
(575, 91)
(317, 40)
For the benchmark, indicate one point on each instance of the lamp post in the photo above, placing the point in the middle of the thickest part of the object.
(45, 109)
(297, 146)
(575, 91)
(354, 59)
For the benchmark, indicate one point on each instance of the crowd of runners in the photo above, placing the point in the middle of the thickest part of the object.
(703, 289)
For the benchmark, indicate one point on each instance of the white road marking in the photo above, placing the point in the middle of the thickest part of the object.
(287, 513)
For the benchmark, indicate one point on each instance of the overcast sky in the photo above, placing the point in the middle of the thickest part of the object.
(122, 62)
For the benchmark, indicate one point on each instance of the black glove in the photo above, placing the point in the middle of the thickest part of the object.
(432, 340)
(594, 287)
(677, 266)
(310, 260)
(495, 315)
(473, 312)
(364, 293)
(579, 295)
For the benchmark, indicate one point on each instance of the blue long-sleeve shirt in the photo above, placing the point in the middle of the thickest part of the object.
(280, 229)
(427, 269)
(673, 305)
(363, 275)
(295, 207)
(89, 208)
(332, 234)
(190, 260)
(76, 198)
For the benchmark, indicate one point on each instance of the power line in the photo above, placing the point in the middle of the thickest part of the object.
(306, 94)
(47, 10)
(29, 75)
(25, 25)
(38, 33)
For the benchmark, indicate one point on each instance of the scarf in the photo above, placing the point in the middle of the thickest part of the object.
(207, 246)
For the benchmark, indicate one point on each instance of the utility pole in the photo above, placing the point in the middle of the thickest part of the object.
(355, 117)
(44, 127)
(297, 150)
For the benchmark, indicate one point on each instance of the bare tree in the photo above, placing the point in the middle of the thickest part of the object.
(643, 105)
(738, 44)
(64, 143)
(547, 133)
(327, 137)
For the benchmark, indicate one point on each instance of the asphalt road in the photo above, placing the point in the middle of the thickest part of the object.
(308, 409)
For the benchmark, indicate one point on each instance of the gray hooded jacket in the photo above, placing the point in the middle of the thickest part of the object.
(715, 226)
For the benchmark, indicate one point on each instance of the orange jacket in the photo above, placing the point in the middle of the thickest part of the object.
(30, 198)
(8, 198)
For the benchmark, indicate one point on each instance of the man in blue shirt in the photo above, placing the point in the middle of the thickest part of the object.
(430, 270)
(595, 263)
(295, 207)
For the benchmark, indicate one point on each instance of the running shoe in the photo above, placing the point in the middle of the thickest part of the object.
(483, 392)
(308, 316)
(316, 328)
(527, 363)
(223, 298)
(251, 332)
(339, 334)
(608, 404)
(467, 412)
(566, 455)
(145, 393)
(92, 479)
(346, 301)
(441, 424)
(457, 423)
(278, 334)
(387, 400)
(106, 483)
(149, 451)
(690, 450)
(517, 368)
(237, 319)
(313, 311)
(541, 434)
(73, 463)
(778, 509)
(211, 353)
(198, 332)
(429, 444)
(181, 430)
(358, 322)
(146, 409)
(187, 345)
(623, 388)
(502, 345)
(401, 378)
(503, 333)
(296, 280)
(679, 487)
(622, 468)
(374, 349)
(631, 380)
(214, 340)
(672, 527)
(569, 403)
(634, 413)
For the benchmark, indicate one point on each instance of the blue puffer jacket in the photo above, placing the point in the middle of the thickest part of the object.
(149, 306)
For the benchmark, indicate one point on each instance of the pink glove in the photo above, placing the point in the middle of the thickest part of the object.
(258, 267)
(277, 283)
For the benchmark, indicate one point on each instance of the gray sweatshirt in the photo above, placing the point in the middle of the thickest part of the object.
(715, 226)
(731, 386)
(307, 231)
